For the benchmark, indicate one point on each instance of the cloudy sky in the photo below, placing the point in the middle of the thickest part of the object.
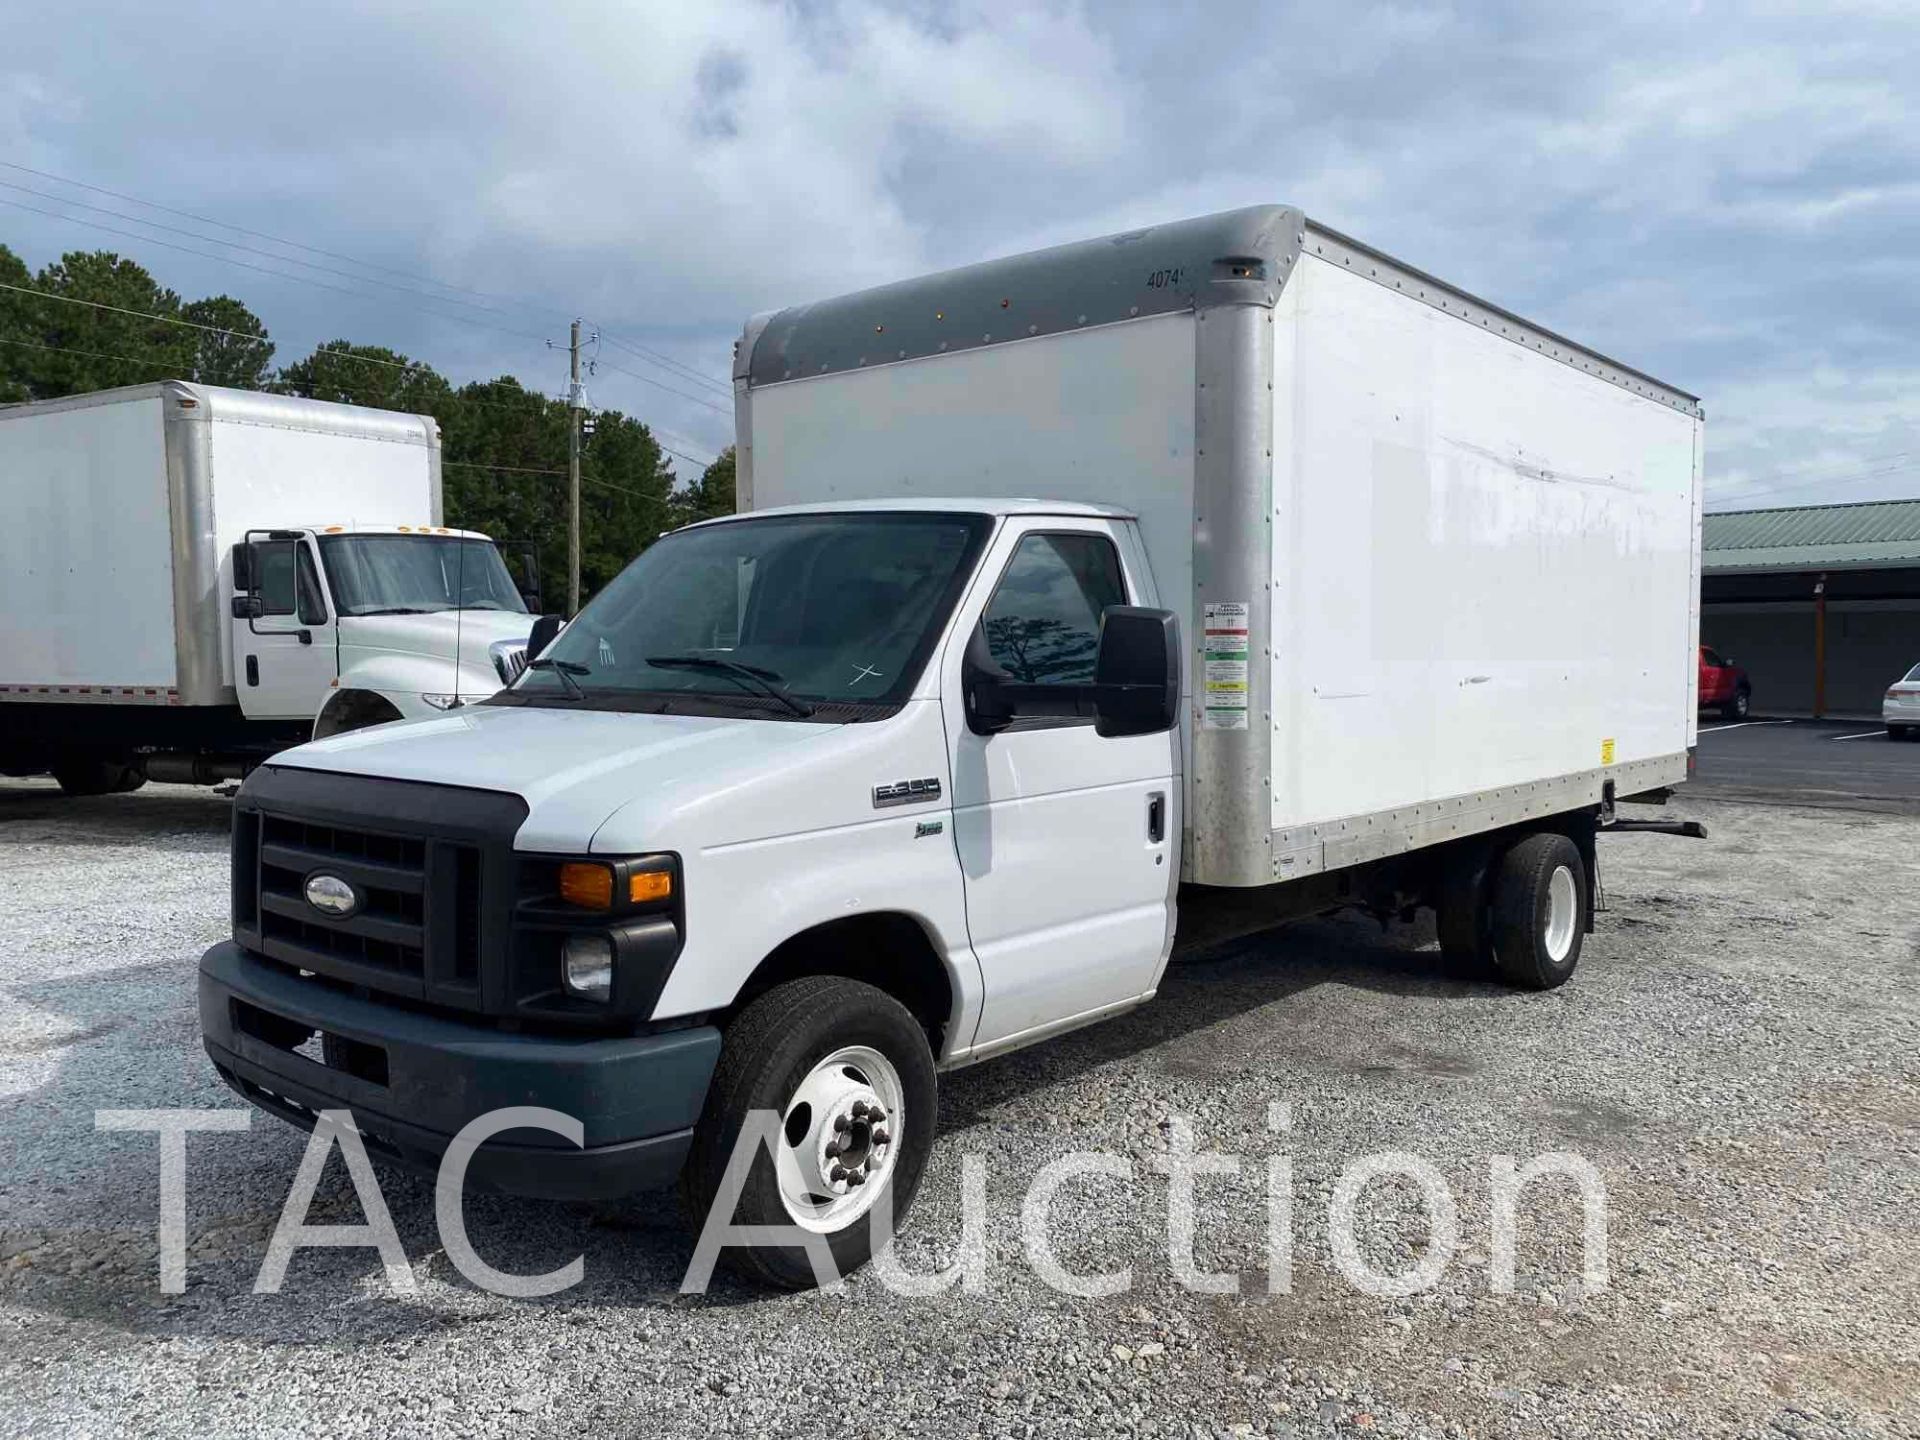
(1725, 195)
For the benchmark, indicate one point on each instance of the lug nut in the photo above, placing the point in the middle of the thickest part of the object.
(859, 1109)
(857, 1178)
(834, 1147)
(842, 1124)
(839, 1172)
(879, 1137)
(876, 1114)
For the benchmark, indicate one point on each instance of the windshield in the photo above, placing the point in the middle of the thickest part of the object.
(778, 616)
(416, 574)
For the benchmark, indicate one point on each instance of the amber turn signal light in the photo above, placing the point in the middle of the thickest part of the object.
(644, 886)
(588, 886)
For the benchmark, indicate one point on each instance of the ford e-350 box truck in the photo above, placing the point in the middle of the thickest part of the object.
(193, 577)
(1082, 605)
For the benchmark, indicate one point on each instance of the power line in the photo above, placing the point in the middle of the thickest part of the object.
(262, 269)
(668, 363)
(235, 245)
(276, 239)
(649, 380)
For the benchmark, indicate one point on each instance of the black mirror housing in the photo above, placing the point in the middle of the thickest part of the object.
(990, 705)
(544, 629)
(1136, 672)
(248, 607)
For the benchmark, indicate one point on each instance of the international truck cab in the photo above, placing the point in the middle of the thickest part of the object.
(348, 625)
(1342, 589)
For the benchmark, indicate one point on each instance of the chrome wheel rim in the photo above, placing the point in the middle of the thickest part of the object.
(1563, 913)
(839, 1135)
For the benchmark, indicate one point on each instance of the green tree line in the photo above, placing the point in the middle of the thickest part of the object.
(500, 441)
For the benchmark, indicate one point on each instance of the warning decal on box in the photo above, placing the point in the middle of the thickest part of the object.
(1224, 642)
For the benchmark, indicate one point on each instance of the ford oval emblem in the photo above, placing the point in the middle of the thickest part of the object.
(331, 895)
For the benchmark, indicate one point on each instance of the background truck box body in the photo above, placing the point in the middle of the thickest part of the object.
(1466, 549)
(123, 507)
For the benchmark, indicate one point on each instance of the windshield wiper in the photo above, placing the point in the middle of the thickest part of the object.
(565, 670)
(767, 682)
(393, 610)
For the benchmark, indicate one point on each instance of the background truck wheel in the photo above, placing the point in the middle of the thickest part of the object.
(1899, 732)
(1737, 707)
(848, 1070)
(1539, 911)
(97, 777)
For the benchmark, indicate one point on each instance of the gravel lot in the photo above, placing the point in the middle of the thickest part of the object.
(1739, 1057)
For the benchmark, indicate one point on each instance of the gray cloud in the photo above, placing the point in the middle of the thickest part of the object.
(1726, 196)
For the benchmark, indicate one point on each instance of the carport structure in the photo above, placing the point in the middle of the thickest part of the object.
(1819, 603)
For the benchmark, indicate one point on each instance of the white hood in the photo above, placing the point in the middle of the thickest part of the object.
(434, 634)
(577, 768)
(415, 654)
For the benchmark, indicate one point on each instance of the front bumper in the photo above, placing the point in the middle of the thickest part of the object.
(416, 1079)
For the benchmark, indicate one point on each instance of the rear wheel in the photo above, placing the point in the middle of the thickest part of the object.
(1539, 911)
(97, 777)
(848, 1072)
(1737, 707)
(1899, 732)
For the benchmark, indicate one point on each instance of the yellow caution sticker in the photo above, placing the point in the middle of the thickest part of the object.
(1606, 752)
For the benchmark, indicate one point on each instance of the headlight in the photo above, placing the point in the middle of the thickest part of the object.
(592, 885)
(442, 702)
(587, 963)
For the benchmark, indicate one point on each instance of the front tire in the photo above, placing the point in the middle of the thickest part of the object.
(1539, 911)
(824, 1053)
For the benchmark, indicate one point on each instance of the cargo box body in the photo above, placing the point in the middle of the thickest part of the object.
(123, 507)
(1437, 567)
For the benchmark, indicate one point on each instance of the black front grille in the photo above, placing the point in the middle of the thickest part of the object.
(423, 861)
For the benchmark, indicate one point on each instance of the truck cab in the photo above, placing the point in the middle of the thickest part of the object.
(937, 741)
(346, 625)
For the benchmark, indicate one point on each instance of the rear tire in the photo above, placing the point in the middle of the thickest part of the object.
(1899, 732)
(1738, 707)
(97, 777)
(811, 1050)
(1539, 911)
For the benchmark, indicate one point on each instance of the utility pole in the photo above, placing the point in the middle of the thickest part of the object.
(573, 472)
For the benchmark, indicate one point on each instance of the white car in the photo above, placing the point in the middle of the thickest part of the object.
(1901, 709)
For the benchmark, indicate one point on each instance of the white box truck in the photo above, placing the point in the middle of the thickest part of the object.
(192, 578)
(1083, 606)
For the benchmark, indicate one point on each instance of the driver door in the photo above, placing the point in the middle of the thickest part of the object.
(1064, 837)
(285, 655)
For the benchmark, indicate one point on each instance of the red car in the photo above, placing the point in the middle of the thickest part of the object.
(1723, 686)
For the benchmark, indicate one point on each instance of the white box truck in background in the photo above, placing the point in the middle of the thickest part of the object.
(1228, 552)
(192, 578)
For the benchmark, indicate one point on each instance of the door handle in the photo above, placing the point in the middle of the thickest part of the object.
(1156, 818)
(253, 669)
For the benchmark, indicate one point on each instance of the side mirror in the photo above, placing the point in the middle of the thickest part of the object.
(532, 599)
(990, 704)
(243, 565)
(1136, 672)
(248, 607)
(544, 629)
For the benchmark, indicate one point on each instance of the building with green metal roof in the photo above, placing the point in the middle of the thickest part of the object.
(1819, 603)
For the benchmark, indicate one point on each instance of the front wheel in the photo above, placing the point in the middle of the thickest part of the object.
(1539, 911)
(848, 1073)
